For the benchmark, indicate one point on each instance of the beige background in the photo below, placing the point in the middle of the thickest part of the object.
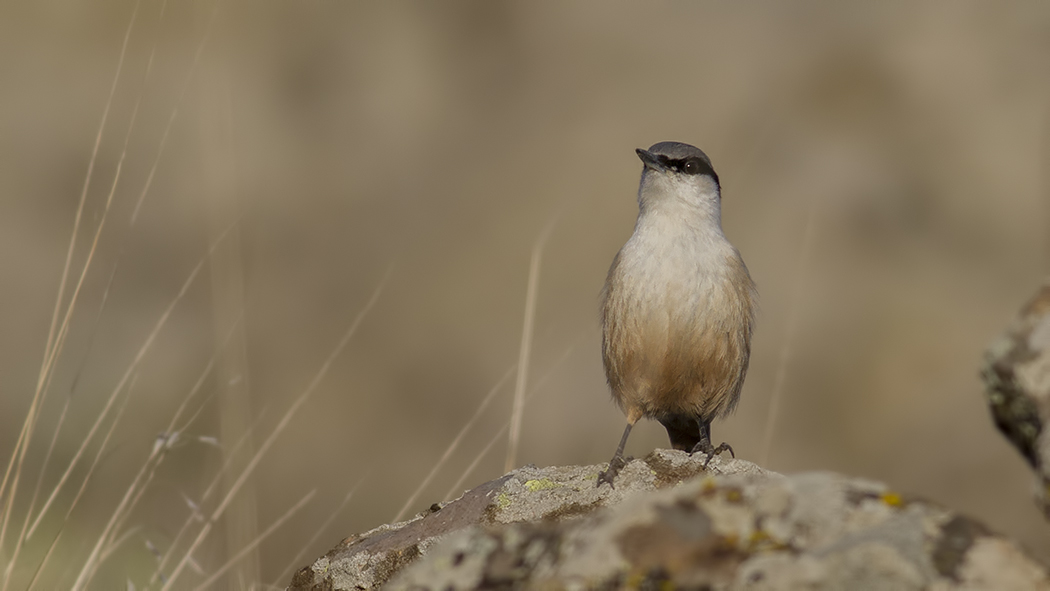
(437, 140)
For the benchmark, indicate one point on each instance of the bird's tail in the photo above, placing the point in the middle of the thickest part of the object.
(683, 430)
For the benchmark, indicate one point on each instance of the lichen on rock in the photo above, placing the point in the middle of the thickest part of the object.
(732, 526)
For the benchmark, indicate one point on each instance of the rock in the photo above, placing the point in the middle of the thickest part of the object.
(1017, 377)
(670, 523)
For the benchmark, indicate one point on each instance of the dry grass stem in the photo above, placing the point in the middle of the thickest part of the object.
(317, 534)
(455, 443)
(56, 339)
(789, 335)
(127, 374)
(457, 487)
(155, 457)
(81, 579)
(234, 406)
(120, 541)
(23, 536)
(80, 491)
(526, 347)
(255, 543)
(499, 434)
(63, 332)
(159, 452)
(195, 513)
(83, 197)
(174, 112)
(278, 429)
(22, 444)
(27, 532)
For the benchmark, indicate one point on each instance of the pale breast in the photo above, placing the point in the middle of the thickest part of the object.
(677, 321)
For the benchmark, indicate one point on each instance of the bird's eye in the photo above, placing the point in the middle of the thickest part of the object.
(691, 166)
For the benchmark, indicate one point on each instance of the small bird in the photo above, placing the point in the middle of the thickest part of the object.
(678, 306)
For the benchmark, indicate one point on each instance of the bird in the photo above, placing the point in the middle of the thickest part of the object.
(678, 307)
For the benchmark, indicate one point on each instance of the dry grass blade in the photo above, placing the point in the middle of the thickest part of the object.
(23, 535)
(61, 422)
(457, 487)
(81, 579)
(268, 442)
(56, 341)
(64, 330)
(455, 443)
(113, 396)
(53, 352)
(317, 534)
(22, 444)
(526, 347)
(174, 112)
(789, 336)
(118, 543)
(212, 487)
(154, 455)
(200, 382)
(27, 532)
(80, 492)
(83, 198)
(255, 543)
(499, 434)
(159, 452)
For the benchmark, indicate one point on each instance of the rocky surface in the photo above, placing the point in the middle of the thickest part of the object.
(669, 523)
(1017, 377)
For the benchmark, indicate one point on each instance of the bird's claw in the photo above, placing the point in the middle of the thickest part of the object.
(615, 465)
(711, 451)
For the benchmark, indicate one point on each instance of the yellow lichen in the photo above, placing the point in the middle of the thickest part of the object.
(541, 484)
(758, 536)
(892, 499)
(709, 486)
(760, 541)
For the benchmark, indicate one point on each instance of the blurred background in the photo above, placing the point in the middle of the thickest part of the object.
(884, 174)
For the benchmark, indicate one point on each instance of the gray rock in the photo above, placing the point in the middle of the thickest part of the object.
(1017, 377)
(669, 522)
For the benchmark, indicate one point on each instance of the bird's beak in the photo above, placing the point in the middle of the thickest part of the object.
(649, 159)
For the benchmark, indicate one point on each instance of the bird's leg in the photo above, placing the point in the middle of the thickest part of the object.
(704, 445)
(617, 462)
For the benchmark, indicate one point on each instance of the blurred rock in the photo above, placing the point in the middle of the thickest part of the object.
(1017, 375)
(670, 523)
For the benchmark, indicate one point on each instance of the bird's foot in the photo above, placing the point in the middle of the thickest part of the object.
(711, 451)
(615, 465)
